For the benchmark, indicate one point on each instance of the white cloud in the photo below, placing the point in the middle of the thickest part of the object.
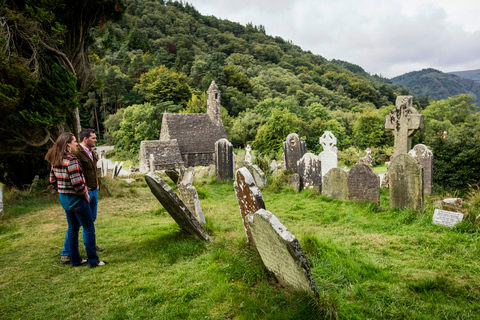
(383, 37)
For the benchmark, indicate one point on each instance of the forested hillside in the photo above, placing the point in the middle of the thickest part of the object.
(438, 85)
(468, 74)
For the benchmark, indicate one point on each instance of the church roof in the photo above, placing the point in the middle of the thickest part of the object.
(195, 132)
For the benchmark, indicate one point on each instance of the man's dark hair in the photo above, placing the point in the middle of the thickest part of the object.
(85, 133)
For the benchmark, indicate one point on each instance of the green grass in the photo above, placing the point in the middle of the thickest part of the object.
(368, 262)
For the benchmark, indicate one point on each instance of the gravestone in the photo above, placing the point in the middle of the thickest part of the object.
(211, 170)
(283, 166)
(151, 160)
(405, 183)
(424, 158)
(295, 182)
(1, 200)
(447, 218)
(281, 252)
(404, 120)
(363, 184)
(258, 175)
(368, 158)
(187, 175)
(335, 184)
(224, 160)
(328, 156)
(34, 184)
(174, 175)
(117, 169)
(294, 149)
(310, 171)
(249, 198)
(189, 195)
(175, 207)
(248, 156)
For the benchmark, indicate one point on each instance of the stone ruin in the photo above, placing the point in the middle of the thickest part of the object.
(175, 207)
(294, 149)
(328, 156)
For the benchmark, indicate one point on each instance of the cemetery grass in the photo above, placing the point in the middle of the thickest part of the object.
(368, 262)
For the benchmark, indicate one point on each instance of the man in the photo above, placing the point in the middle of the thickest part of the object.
(88, 160)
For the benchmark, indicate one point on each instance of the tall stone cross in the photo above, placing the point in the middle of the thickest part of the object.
(404, 120)
(328, 141)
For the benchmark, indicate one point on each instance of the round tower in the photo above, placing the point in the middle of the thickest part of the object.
(213, 104)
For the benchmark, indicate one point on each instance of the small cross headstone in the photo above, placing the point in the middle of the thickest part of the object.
(335, 184)
(328, 156)
(224, 162)
(447, 218)
(367, 159)
(175, 207)
(281, 252)
(248, 156)
(310, 171)
(406, 183)
(363, 184)
(294, 149)
(404, 120)
(424, 157)
(249, 198)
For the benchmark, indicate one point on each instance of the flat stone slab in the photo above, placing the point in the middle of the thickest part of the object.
(281, 252)
(249, 198)
(447, 218)
(335, 184)
(175, 207)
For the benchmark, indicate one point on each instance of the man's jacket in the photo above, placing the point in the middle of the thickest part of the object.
(89, 167)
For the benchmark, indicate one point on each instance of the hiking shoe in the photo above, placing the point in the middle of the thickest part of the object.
(98, 248)
(64, 259)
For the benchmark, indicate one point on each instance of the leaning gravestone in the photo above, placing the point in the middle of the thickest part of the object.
(363, 184)
(447, 218)
(224, 160)
(189, 195)
(404, 120)
(335, 184)
(310, 171)
(258, 175)
(249, 198)
(174, 175)
(406, 183)
(281, 252)
(424, 158)
(187, 175)
(328, 157)
(294, 149)
(175, 207)
(295, 182)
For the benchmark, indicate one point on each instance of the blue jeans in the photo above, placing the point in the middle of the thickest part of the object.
(81, 215)
(93, 207)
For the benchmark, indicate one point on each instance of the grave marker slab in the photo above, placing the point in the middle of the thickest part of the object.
(258, 175)
(281, 252)
(189, 195)
(405, 183)
(187, 175)
(295, 182)
(248, 156)
(174, 175)
(447, 218)
(404, 120)
(294, 149)
(424, 157)
(335, 184)
(363, 184)
(310, 171)
(224, 162)
(249, 198)
(328, 156)
(175, 207)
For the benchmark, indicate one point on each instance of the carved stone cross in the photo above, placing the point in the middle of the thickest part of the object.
(328, 141)
(404, 120)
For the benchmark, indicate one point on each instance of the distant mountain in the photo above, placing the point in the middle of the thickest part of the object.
(468, 74)
(438, 85)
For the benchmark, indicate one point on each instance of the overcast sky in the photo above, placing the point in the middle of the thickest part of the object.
(388, 38)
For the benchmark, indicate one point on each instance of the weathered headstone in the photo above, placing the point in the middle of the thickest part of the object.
(335, 184)
(224, 160)
(328, 157)
(447, 218)
(258, 175)
(189, 195)
(117, 169)
(310, 171)
(1, 200)
(295, 182)
(151, 160)
(174, 175)
(424, 157)
(363, 184)
(187, 175)
(249, 198)
(175, 207)
(248, 156)
(281, 252)
(404, 120)
(368, 158)
(211, 170)
(406, 183)
(283, 166)
(294, 149)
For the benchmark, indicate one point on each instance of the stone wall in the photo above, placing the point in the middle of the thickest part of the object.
(166, 155)
(198, 159)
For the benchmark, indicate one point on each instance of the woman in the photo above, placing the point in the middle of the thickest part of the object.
(67, 178)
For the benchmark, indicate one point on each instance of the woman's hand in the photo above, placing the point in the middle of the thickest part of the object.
(87, 196)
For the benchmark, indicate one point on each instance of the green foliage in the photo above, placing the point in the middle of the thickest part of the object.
(369, 130)
(245, 128)
(197, 104)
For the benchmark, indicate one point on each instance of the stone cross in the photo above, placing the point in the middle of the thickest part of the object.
(404, 120)
(248, 156)
(328, 141)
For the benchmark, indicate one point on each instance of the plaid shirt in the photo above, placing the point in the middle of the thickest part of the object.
(68, 178)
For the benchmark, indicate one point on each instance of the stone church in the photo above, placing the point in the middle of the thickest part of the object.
(186, 139)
